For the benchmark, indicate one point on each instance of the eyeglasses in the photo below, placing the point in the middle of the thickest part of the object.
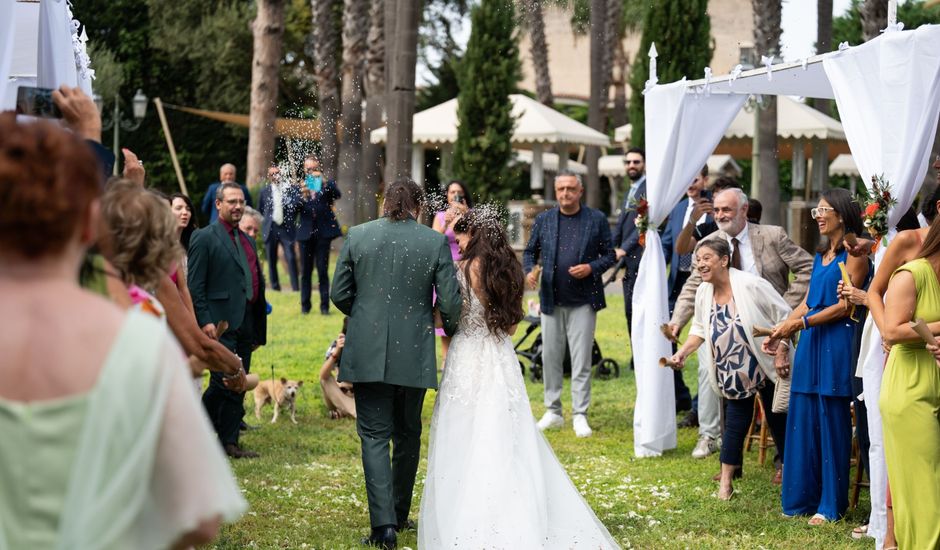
(820, 211)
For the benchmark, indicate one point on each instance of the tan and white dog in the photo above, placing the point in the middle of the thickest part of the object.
(279, 392)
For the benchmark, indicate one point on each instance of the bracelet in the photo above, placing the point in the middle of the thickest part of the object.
(805, 322)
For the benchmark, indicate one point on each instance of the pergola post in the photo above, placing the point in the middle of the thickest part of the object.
(417, 163)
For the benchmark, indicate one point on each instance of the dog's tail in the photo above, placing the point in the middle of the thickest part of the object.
(272, 375)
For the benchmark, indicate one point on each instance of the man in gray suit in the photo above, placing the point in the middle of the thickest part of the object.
(762, 250)
(385, 277)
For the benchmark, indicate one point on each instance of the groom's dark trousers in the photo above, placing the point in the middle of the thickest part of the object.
(389, 414)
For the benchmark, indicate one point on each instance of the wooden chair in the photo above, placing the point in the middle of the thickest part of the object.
(764, 441)
(858, 481)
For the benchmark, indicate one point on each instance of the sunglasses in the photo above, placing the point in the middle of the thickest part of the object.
(628, 162)
(820, 211)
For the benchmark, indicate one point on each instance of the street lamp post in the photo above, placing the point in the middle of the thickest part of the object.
(139, 109)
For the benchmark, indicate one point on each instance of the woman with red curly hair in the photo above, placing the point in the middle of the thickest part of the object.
(105, 444)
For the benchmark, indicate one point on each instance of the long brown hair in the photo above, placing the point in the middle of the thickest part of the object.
(931, 246)
(501, 277)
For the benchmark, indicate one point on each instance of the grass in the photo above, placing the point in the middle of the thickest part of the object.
(307, 491)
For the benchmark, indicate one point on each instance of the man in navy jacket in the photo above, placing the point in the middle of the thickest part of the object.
(317, 229)
(573, 243)
(227, 174)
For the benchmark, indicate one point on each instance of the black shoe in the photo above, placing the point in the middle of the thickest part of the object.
(382, 537)
(407, 525)
(690, 420)
(276, 288)
(324, 311)
(304, 311)
(684, 405)
(247, 428)
(234, 451)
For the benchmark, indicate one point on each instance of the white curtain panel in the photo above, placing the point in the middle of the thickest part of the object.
(888, 93)
(682, 130)
(57, 52)
(6, 50)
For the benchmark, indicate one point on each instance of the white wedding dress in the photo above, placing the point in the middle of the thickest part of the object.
(493, 480)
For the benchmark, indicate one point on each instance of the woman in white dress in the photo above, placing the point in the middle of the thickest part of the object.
(492, 480)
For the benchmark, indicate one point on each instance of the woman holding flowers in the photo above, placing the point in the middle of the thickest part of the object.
(819, 424)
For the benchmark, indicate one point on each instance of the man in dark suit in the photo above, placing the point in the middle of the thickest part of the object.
(280, 202)
(318, 227)
(226, 175)
(385, 277)
(226, 284)
(573, 243)
(625, 237)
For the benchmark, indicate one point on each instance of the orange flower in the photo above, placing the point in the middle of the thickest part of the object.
(642, 239)
(872, 209)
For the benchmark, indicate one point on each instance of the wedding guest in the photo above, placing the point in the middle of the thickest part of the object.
(910, 398)
(227, 174)
(625, 238)
(316, 230)
(182, 208)
(728, 303)
(338, 396)
(819, 423)
(279, 203)
(458, 202)
(572, 242)
(692, 235)
(148, 475)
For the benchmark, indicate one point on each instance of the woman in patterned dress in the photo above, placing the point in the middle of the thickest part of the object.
(728, 304)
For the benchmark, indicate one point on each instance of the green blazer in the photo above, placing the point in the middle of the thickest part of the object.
(217, 277)
(384, 281)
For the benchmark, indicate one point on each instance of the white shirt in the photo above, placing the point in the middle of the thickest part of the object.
(747, 253)
(277, 198)
(632, 193)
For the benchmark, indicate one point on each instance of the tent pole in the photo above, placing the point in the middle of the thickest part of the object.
(170, 146)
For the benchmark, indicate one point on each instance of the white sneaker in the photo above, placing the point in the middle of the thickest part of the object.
(550, 420)
(581, 428)
(705, 447)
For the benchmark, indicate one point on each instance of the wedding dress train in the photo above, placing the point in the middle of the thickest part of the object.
(493, 480)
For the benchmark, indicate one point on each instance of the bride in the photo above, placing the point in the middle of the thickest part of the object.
(492, 479)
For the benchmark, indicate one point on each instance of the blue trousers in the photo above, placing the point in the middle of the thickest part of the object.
(817, 456)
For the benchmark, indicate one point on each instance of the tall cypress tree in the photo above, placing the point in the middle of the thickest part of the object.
(681, 30)
(488, 73)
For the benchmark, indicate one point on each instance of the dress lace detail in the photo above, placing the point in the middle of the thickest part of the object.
(487, 454)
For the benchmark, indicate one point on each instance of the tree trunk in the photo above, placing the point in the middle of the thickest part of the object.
(371, 178)
(874, 18)
(598, 96)
(613, 30)
(767, 42)
(268, 30)
(400, 101)
(326, 43)
(619, 81)
(539, 50)
(823, 45)
(355, 28)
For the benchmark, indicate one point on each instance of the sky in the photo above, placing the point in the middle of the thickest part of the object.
(798, 22)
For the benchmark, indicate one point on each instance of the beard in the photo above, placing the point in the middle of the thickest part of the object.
(634, 175)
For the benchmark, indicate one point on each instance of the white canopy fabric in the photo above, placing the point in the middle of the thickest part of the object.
(843, 165)
(678, 126)
(723, 164)
(795, 120)
(535, 123)
(888, 93)
(550, 161)
(612, 165)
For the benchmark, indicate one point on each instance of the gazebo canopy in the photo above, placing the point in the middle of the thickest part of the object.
(612, 165)
(550, 161)
(844, 165)
(535, 124)
(795, 120)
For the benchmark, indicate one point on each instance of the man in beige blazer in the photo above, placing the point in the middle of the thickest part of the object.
(762, 250)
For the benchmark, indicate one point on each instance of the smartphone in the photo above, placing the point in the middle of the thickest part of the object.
(458, 198)
(36, 102)
(706, 194)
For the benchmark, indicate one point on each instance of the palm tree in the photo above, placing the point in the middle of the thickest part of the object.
(326, 41)
(268, 30)
(767, 42)
(823, 41)
(874, 17)
(371, 177)
(401, 41)
(355, 28)
(538, 49)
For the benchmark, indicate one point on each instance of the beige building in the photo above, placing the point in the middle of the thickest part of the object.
(732, 28)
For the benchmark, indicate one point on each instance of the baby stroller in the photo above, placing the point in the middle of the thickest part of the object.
(604, 368)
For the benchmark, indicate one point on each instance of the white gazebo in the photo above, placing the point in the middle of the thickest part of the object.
(888, 98)
(537, 128)
(550, 162)
(844, 165)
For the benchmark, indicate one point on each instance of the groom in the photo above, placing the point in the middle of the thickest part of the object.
(384, 280)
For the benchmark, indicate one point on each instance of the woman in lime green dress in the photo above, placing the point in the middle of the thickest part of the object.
(910, 399)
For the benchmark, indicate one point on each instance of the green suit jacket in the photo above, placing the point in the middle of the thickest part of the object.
(216, 279)
(384, 280)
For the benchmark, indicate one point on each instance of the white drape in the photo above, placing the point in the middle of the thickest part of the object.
(6, 46)
(888, 94)
(57, 64)
(682, 130)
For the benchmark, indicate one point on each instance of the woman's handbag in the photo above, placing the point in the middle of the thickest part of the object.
(781, 402)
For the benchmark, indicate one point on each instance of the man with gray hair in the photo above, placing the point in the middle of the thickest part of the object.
(762, 250)
(227, 174)
(573, 243)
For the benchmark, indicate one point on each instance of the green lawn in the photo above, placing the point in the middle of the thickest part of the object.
(306, 490)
